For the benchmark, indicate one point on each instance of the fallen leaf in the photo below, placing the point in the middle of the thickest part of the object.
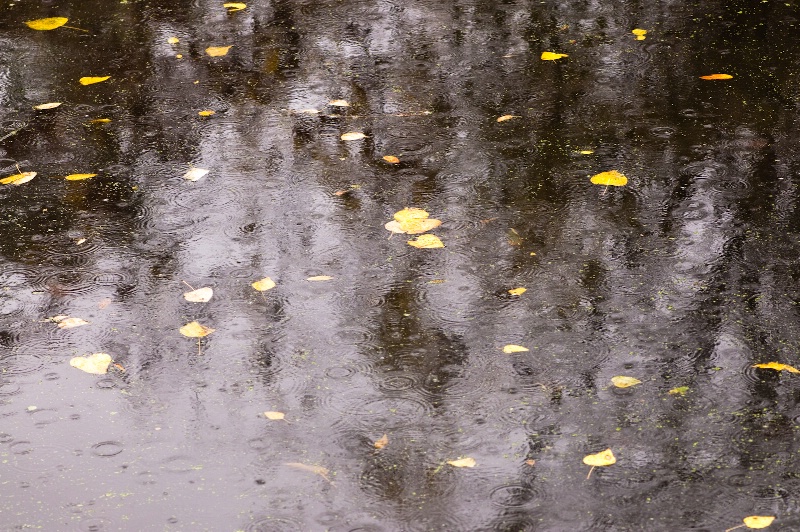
(410, 213)
(586, 152)
(309, 111)
(100, 121)
(69, 323)
(640, 34)
(413, 227)
(777, 366)
(195, 330)
(514, 238)
(530, 462)
(274, 416)
(463, 462)
(552, 56)
(234, 6)
(680, 390)
(339, 103)
(44, 24)
(340, 192)
(391, 159)
(103, 303)
(173, 40)
(264, 284)
(18, 179)
(437, 281)
(612, 178)
(517, 291)
(717, 76)
(506, 117)
(96, 363)
(320, 278)
(119, 367)
(317, 470)
(218, 51)
(201, 295)
(426, 242)
(603, 458)
(354, 135)
(43, 106)
(511, 348)
(621, 381)
(79, 177)
(90, 80)
(207, 112)
(194, 174)
(80, 241)
(758, 521)
(382, 442)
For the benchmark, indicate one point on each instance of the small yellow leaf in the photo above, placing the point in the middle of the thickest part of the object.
(264, 284)
(96, 363)
(758, 521)
(463, 462)
(173, 40)
(195, 330)
(552, 56)
(410, 213)
(89, 80)
(426, 242)
(391, 159)
(339, 103)
(680, 390)
(506, 117)
(640, 34)
(18, 179)
(586, 152)
(530, 462)
(274, 416)
(100, 121)
(43, 106)
(517, 291)
(413, 226)
(234, 6)
(777, 366)
(194, 174)
(382, 442)
(44, 24)
(621, 381)
(511, 348)
(612, 178)
(201, 295)
(207, 112)
(603, 458)
(79, 177)
(80, 241)
(320, 278)
(218, 51)
(65, 322)
(353, 135)
(717, 76)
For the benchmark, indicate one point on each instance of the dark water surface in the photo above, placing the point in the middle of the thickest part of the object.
(686, 277)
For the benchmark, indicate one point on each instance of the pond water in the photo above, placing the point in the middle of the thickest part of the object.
(684, 278)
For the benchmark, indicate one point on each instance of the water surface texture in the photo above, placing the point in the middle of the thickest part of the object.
(684, 279)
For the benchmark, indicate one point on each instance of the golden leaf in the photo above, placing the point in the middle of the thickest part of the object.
(100, 121)
(89, 80)
(552, 56)
(79, 177)
(758, 521)
(353, 135)
(339, 103)
(391, 159)
(195, 330)
(603, 458)
(621, 381)
(511, 348)
(173, 40)
(640, 34)
(463, 462)
(274, 416)
(413, 226)
(506, 117)
(612, 178)
(194, 174)
(717, 76)
(18, 179)
(382, 442)
(44, 24)
(426, 242)
(69, 323)
(517, 291)
(777, 366)
(530, 462)
(680, 390)
(586, 152)
(234, 6)
(43, 106)
(96, 363)
(201, 295)
(264, 284)
(207, 112)
(320, 278)
(218, 51)
(410, 213)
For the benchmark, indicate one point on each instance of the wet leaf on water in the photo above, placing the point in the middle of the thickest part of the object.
(777, 366)
(511, 348)
(410, 213)
(426, 242)
(45, 24)
(412, 221)
(274, 416)
(505, 118)
(517, 291)
(717, 76)
(103, 303)
(339, 103)
(320, 278)
(234, 6)
(586, 152)
(201, 295)
(49, 105)
(308, 111)
(758, 521)
(206, 112)
(194, 174)
(65, 322)
(601, 459)
(195, 330)
(620, 381)
(552, 56)
(79, 177)
(91, 80)
(463, 462)
(96, 363)
(530, 462)
(100, 121)
(18, 179)
(80, 241)
(391, 159)
(264, 284)
(610, 178)
(382, 442)
(353, 135)
(514, 238)
(680, 390)
(218, 51)
(640, 34)
(173, 40)
(317, 470)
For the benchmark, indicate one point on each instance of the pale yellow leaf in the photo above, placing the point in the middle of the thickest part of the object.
(680, 390)
(320, 278)
(463, 462)
(50, 105)
(206, 112)
(264, 284)
(511, 348)
(96, 363)
(218, 51)
(201, 295)
(173, 40)
(391, 159)
(426, 242)
(69, 323)
(100, 121)
(79, 177)
(612, 178)
(89, 80)
(603, 458)
(620, 381)
(777, 366)
(382, 442)
(80, 241)
(717, 76)
(195, 330)
(308, 111)
(586, 152)
(413, 226)
(18, 179)
(505, 118)
(640, 34)
(758, 521)
(274, 416)
(552, 56)
(339, 103)
(317, 470)
(353, 135)
(44, 24)
(517, 291)
(234, 6)
(194, 174)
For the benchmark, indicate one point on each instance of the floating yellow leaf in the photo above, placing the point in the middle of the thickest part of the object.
(320, 278)
(511, 348)
(195, 330)
(173, 40)
(308, 111)
(463, 462)
(207, 112)
(96, 363)
(426, 242)
(391, 159)
(50, 105)
(89, 80)
(100, 121)
(410, 213)
(640, 34)
(506, 117)
(586, 152)
(517, 291)
(274, 416)
(44, 24)
(777, 366)
(621, 381)
(717, 76)
(339, 103)
(18, 179)
(382, 442)
(530, 462)
(194, 174)
(234, 6)
(317, 470)
(680, 390)
(201, 295)
(264, 284)
(65, 322)
(353, 135)
(218, 51)
(603, 458)
(552, 56)
(414, 226)
(612, 178)
(79, 177)
(758, 521)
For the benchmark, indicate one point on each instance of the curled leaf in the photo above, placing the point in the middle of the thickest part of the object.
(353, 135)
(45, 24)
(552, 56)
(18, 179)
(201, 295)
(426, 242)
(50, 105)
(612, 178)
(603, 458)
(79, 177)
(511, 348)
(716, 76)
(264, 284)
(504, 118)
(620, 381)
(463, 462)
(218, 51)
(91, 80)
(777, 366)
(195, 330)
(96, 363)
